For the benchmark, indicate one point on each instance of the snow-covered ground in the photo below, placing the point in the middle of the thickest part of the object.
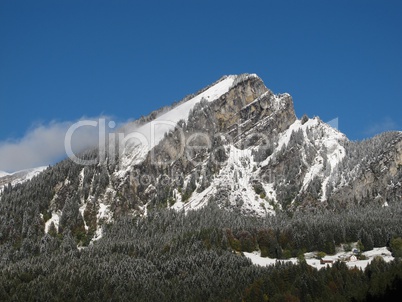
(383, 252)
(240, 169)
(30, 173)
(19, 176)
(236, 176)
(2, 173)
(104, 216)
(321, 136)
(55, 219)
(331, 135)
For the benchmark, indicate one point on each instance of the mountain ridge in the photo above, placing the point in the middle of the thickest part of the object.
(18, 177)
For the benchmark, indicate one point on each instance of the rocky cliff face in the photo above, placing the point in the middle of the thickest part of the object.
(193, 158)
(247, 151)
(235, 143)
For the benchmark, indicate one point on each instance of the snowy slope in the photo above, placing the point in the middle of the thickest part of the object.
(144, 138)
(235, 179)
(55, 219)
(330, 137)
(168, 121)
(382, 252)
(2, 173)
(30, 173)
(19, 176)
(240, 170)
(326, 140)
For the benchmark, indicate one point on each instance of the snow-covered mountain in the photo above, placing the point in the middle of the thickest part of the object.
(245, 149)
(234, 143)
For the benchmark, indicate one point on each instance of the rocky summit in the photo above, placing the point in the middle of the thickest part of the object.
(246, 150)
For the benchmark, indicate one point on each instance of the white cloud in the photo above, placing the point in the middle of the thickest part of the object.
(387, 124)
(44, 144)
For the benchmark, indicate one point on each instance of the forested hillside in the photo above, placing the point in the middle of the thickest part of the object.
(170, 256)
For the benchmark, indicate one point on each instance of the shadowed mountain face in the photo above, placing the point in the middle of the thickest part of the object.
(234, 143)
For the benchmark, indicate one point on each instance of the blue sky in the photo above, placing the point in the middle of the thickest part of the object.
(61, 61)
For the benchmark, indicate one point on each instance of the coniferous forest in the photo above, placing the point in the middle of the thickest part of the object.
(197, 256)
